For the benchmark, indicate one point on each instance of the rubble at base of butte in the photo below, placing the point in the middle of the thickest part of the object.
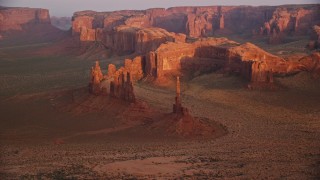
(119, 84)
(181, 122)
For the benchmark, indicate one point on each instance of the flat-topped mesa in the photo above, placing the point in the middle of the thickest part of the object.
(177, 106)
(18, 18)
(211, 54)
(124, 39)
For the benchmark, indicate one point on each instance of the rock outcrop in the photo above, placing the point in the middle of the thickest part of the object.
(205, 21)
(122, 86)
(315, 38)
(124, 28)
(123, 39)
(208, 55)
(177, 106)
(311, 64)
(289, 21)
(96, 78)
(27, 25)
(117, 83)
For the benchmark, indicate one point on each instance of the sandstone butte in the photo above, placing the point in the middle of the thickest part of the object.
(161, 38)
(118, 84)
(16, 18)
(34, 23)
(164, 40)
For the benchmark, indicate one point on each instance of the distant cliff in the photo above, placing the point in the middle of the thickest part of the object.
(20, 18)
(274, 22)
(27, 25)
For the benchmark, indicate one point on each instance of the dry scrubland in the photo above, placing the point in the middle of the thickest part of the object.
(271, 134)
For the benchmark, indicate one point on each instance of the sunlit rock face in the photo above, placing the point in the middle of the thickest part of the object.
(275, 22)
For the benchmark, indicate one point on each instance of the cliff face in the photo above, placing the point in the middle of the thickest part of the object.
(290, 21)
(213, 54)
(18, 18)
(276, 22)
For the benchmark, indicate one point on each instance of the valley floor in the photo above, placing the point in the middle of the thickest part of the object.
(271, 134)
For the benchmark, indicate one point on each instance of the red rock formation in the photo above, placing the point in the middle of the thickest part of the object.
(315, 38)
(172, 57)
(21, 18)
(112, 21)
(111, 70)
(96, 78)
(122, 39)
(87, 34)
(181, 122)
(122, 87)
(177, 106)
(261, 76)
(139, 21)
(204, 21)
(80, 22)
(118, 83)
(199, 25)
(149, 39)
(311, 64)
(287, 21)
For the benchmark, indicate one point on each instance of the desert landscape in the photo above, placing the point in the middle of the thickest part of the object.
(192, 92)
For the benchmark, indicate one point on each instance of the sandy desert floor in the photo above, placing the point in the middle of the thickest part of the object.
(271, 134)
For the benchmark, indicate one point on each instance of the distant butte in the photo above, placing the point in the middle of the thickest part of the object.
(165, 42)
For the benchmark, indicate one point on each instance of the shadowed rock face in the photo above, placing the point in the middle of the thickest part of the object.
(315, 38)
(311, 64)
(286, 21)
(16, 18)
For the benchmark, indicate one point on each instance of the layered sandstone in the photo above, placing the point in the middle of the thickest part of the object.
(276, 22)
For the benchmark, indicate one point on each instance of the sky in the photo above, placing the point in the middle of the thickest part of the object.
(68, 7)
